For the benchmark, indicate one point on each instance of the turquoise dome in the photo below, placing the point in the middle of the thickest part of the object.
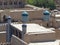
(24, 13)
(46, 12)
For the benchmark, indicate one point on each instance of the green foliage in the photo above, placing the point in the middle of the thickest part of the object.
(51, 4)
(43, 3)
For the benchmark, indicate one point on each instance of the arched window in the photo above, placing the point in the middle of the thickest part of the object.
(20, 3)
(16, 33)
(5, 3)
(20, 35)
(10, 3)
(4, 18)
(15, 2)
(0, 3)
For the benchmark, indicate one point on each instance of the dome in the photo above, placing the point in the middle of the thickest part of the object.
(46, 12)
(8, 17)
(24, 13)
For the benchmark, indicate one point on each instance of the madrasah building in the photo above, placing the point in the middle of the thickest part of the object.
(11, 4)
(33, 33)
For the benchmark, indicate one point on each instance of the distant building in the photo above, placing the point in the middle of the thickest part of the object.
(11, 4)
(57, 1)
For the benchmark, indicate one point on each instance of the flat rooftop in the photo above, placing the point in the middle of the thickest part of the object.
(57, 15)
(33, 28)
(46, 43)
(2, 32)
(16, 10)
(29, 8)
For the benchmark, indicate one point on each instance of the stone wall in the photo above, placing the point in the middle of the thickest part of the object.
(2, 27)
(57, 33)
(40, 37)
(2, 37)
(16, 16)
(16, 41)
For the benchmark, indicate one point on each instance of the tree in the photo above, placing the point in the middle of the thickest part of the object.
(43, 3)
(51, 4)
(30, 2)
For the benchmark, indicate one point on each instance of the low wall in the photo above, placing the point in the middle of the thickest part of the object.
(2, 37)
(16, 15)
(57, 33)
(2, 27)
(16, 41)
(40, 37)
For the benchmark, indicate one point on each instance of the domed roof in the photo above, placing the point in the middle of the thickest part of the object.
(46, 12)
(8, 17)
(24, 13)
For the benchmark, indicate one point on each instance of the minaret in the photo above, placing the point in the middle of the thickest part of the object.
(8, 30)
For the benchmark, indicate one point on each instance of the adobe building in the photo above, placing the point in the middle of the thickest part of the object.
(14, 8)
(16, 13)
(6, 4)
(34, 33)
(57, 2)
